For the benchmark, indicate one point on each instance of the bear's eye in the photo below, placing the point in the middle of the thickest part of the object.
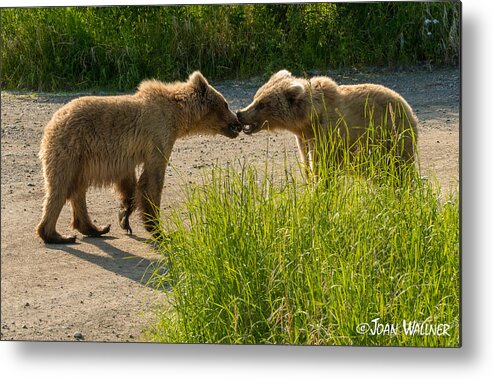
(260, 106)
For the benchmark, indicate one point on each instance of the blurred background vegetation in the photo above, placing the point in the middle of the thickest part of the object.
(75, 48)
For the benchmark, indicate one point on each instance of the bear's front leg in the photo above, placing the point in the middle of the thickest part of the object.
(126, 192)
(149, 190)
(313, 158)
(123, 220)
(303, 152)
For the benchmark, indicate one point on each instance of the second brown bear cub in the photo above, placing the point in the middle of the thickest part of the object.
(319, 107)
(99, 141)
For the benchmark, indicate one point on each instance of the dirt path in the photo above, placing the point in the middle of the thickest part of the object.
(96, 287)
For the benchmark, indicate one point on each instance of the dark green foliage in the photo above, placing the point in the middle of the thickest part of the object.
(116, 47)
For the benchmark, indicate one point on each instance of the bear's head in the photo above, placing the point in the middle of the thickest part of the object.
(278, 104)
(211, 109)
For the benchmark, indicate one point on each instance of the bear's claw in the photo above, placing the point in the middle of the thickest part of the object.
(59, 239)
(96, 232)
(123, 220)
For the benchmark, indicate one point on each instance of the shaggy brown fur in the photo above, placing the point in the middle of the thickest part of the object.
(99, 141)
(309, 107)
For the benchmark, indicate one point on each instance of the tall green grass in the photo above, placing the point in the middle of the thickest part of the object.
(255, 256)
(73, 48)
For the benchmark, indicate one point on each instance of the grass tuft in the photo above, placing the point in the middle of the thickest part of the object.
(262, 258)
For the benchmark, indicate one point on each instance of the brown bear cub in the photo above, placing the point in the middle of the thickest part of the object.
(309, 108)
(99, 141)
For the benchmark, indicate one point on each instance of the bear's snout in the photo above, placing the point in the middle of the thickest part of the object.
(248, 126)
(235, 126)
(240, 117)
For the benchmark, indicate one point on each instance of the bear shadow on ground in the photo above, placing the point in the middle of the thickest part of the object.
(120, 262)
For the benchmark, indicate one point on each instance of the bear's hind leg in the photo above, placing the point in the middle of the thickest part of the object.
(80, 216)
(46, 229)
(126, 192)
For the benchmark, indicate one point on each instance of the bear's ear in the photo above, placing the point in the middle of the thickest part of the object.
(199, 82)
(281, 74)
(295, 91)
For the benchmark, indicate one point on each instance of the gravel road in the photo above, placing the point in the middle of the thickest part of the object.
(95, 290)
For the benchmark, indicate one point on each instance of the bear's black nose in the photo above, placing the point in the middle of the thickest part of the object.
(235, 127)
(239, 115)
